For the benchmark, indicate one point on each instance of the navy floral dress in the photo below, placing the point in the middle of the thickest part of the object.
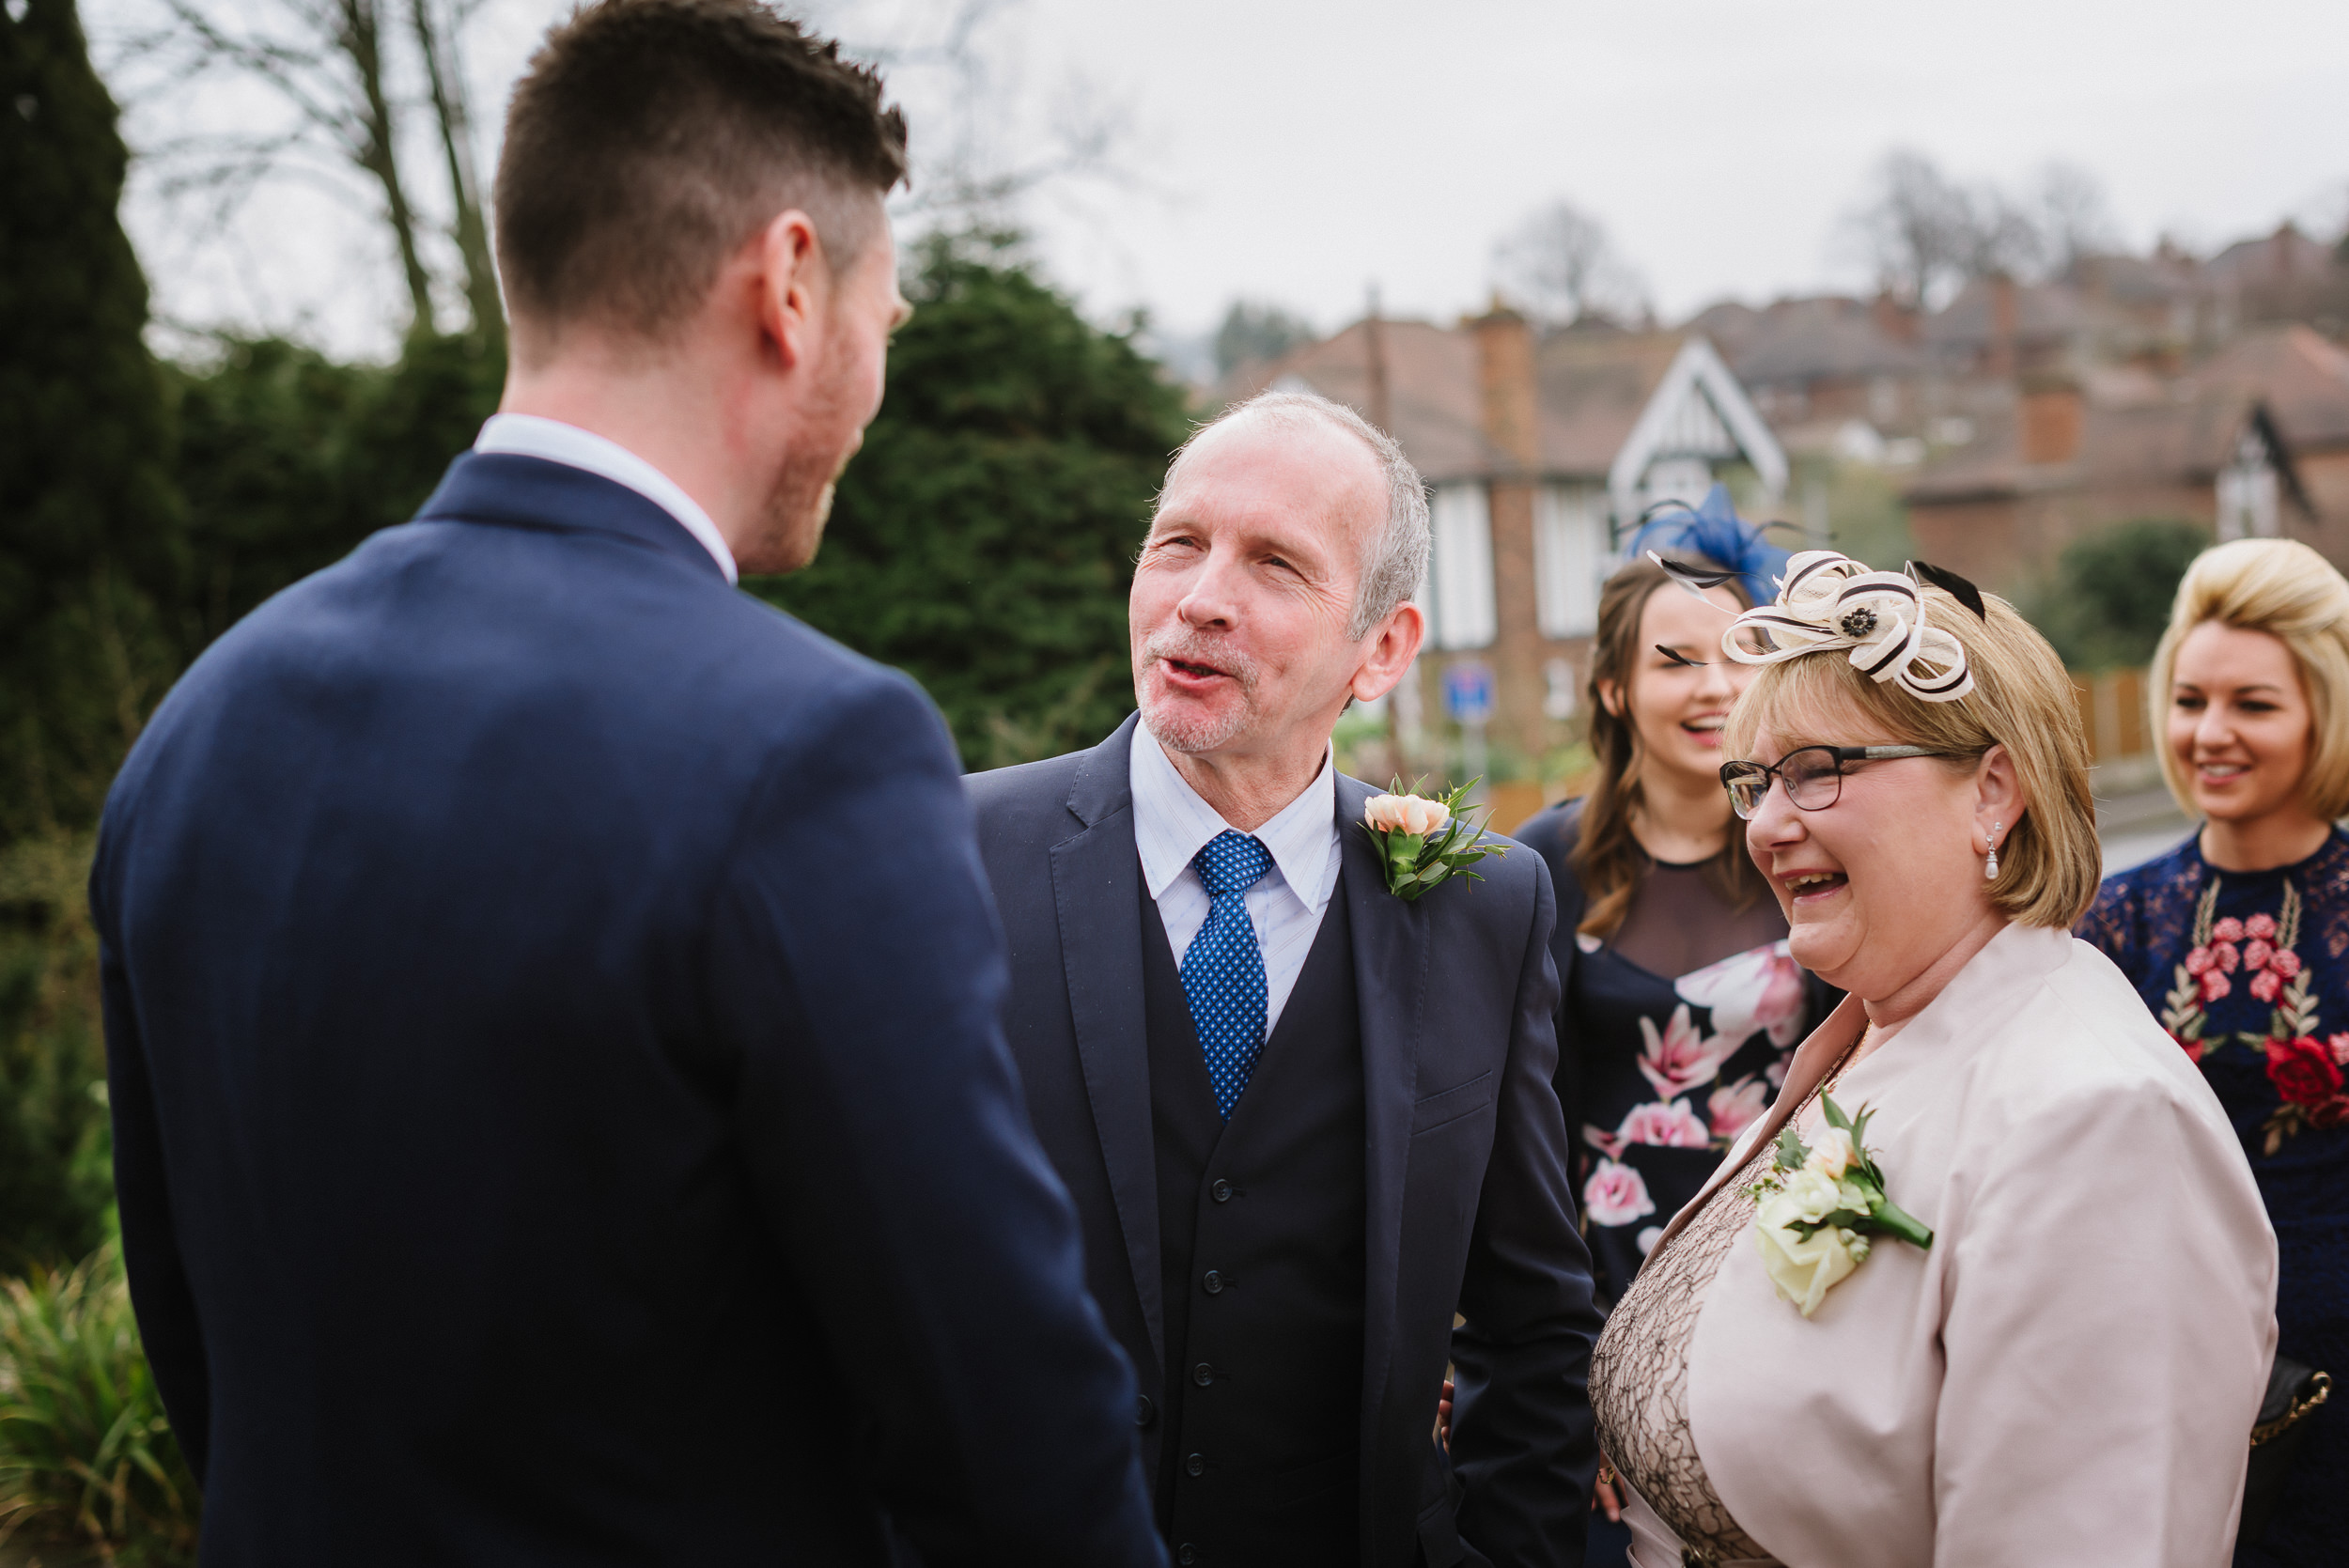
(2249, 974)
(1674, 1038)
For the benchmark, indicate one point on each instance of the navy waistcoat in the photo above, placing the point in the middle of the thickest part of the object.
(1261, 1225)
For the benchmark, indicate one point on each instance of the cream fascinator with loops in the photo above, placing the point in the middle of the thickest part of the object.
(1829, 603)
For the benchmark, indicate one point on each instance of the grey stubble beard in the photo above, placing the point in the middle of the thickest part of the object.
(1196, 738)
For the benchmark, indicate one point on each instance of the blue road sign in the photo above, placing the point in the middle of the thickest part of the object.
(1468, 692)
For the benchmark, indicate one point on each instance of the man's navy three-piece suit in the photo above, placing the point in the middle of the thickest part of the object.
(1286, 1283)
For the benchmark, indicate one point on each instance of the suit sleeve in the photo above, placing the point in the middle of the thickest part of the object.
(858, 972)
(160, 1294)
(1523, 1443)
(1552, 835)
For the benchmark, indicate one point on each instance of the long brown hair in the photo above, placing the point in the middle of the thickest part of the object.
(1607, 859)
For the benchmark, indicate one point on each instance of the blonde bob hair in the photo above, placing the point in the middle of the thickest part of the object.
(2050, 860)
(2287, 590)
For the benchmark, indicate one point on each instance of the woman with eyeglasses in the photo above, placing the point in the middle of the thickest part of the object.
(1679, 1007)
(1989, 1283)
(2235, 939)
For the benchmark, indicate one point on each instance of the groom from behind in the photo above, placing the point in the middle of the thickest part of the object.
(561, 1114)
(1304, 1121)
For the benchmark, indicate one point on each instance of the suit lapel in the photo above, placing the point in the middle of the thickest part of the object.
(1391, 945)
(1097, 893)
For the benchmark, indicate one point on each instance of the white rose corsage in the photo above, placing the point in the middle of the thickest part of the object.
(1423, 841)
(1820, 1205)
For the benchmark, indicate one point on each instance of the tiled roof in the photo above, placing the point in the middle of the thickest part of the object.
(1432, 401)
(2286, 255)
(1595, 385)
(2044, 313)
(2303, 379)
(1594, 382)
(2181, 439)
(1829, 336)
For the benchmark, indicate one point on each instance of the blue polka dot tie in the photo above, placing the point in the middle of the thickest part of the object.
(1223, 971)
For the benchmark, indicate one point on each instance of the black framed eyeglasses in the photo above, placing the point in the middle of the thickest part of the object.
(1814, 775)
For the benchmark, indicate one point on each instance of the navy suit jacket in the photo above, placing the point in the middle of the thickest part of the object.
(1470, 1206)
(561, 1112)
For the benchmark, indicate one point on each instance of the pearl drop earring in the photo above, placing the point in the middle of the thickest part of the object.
(1990, 866)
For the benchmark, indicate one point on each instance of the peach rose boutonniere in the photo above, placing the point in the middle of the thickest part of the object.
(1819, 1206)
(1424, 841)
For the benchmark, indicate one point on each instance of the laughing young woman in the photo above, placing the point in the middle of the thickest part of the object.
(2235, 940)
(1678, 1005)
(2022, 1312)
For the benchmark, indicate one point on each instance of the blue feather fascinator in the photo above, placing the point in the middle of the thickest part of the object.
(1711, 531)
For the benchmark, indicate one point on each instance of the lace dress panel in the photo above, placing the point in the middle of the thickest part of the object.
(1639, 1374)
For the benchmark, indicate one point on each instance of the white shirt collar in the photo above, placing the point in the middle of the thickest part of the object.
(1298, 838)
(529, 435)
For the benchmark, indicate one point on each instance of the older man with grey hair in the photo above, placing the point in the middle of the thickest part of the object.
(1305, 1121)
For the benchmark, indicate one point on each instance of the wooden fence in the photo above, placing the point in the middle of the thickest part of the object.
(2112, 710)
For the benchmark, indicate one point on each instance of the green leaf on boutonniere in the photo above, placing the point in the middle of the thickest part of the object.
(1814, 1219)
(1417, 862)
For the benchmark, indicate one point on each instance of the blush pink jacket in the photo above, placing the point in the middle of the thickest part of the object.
(2070, 1374)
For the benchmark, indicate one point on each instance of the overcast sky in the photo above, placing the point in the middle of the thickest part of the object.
(1299, 151)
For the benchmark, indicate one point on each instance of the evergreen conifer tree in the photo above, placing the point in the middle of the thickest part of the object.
(89, 549)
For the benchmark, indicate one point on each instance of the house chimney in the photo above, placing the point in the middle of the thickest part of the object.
(1507, 400)
(1504, 380)
(1892, 319)
(2005, 317)
(1375, 353)
(2050, 412)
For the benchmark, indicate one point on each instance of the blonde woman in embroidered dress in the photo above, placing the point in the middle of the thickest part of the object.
(2068, 1371)
(2235, 939)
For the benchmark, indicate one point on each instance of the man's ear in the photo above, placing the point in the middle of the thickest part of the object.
(1392, 646)
(791, 278)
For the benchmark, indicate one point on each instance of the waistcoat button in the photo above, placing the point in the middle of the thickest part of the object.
(1203, 1374)
(1214, 1282)
(1144, 1412)
(1196, 1464)
(1221, 1191)
(1187, 1553)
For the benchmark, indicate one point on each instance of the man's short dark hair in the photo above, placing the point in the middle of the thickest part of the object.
(652, 137)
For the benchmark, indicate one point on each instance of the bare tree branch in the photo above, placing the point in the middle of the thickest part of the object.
(337, 69)
(1560, 265)
(455, 124)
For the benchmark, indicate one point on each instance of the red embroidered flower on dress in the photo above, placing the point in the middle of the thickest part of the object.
(2286, 963)
(2303, 1070)
(2227, 930)
(2215, 986)
(2262, 926)
(2266, 985)
(2339, 1045)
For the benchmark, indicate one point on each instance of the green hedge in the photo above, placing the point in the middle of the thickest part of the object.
(87, 1455)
